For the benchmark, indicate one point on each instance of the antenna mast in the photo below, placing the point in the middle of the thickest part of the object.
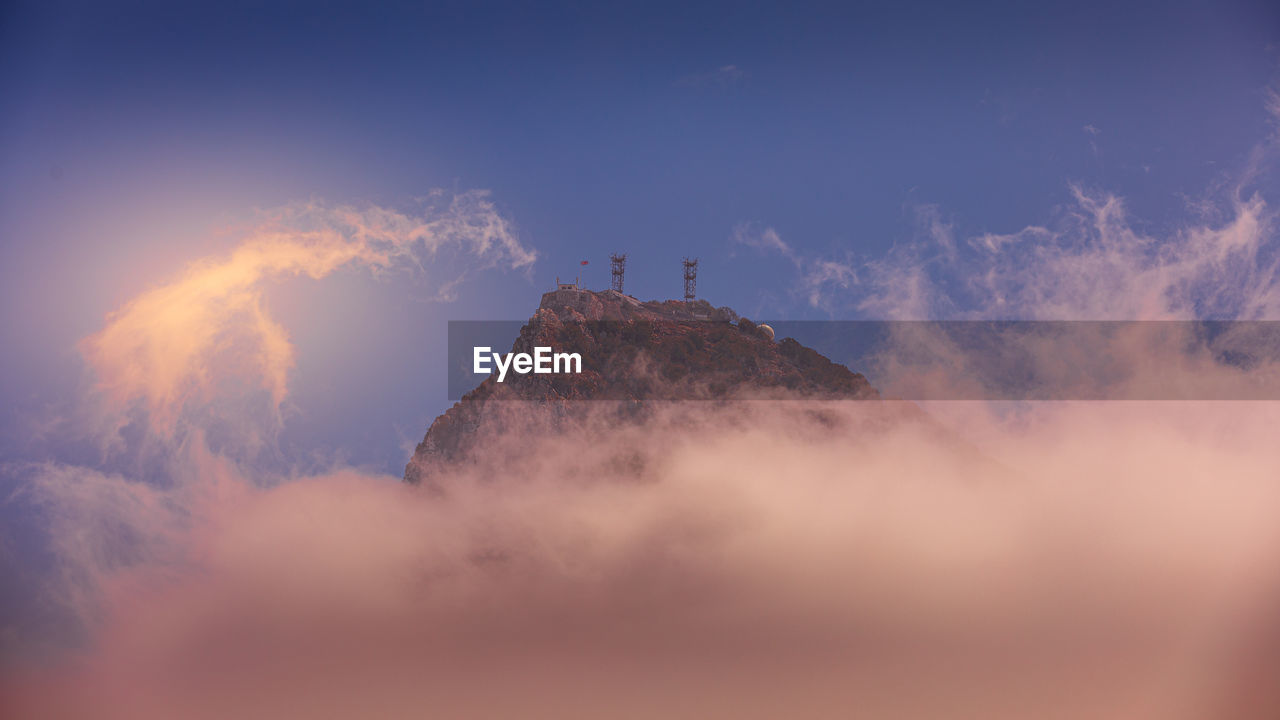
(690, 279)
(619, 264)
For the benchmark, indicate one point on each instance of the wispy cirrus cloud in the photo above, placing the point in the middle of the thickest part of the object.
(1092, 262)
(1093, 132)
(819, 277)
(826, 282)
(173, 350)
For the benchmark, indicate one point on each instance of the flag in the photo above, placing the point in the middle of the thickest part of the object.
(584, 262)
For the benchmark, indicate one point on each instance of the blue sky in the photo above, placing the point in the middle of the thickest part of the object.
(129, 133)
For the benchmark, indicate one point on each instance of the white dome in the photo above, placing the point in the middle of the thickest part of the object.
(767, 330)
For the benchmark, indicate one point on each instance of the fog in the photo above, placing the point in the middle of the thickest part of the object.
(1099, 559)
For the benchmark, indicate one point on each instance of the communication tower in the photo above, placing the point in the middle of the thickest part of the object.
(690, 279)
(619, 265)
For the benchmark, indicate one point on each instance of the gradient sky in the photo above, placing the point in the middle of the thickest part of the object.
(130, 133)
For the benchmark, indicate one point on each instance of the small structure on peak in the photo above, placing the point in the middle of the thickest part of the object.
(618, 263)
(690, 279)
(567, 286)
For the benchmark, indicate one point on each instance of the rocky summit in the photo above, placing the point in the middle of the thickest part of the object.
(633, 353)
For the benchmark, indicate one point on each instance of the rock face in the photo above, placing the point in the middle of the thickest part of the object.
(633, 353)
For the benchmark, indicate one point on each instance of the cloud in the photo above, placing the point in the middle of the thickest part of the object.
(819, 276)
(755, 235)
(928, 218)
(1091, 263)
(176, 350)
(778, 556)
(1093, 133)
(995, 242)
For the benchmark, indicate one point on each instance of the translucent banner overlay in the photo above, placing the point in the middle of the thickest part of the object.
(951, 360)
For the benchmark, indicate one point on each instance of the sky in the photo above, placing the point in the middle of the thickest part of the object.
(786, 145)
(232, 236)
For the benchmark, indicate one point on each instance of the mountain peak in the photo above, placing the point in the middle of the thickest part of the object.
(632, 353)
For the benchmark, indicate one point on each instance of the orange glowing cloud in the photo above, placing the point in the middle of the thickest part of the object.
(158, 352)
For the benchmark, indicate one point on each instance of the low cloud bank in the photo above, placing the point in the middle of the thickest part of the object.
(1093, 559)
